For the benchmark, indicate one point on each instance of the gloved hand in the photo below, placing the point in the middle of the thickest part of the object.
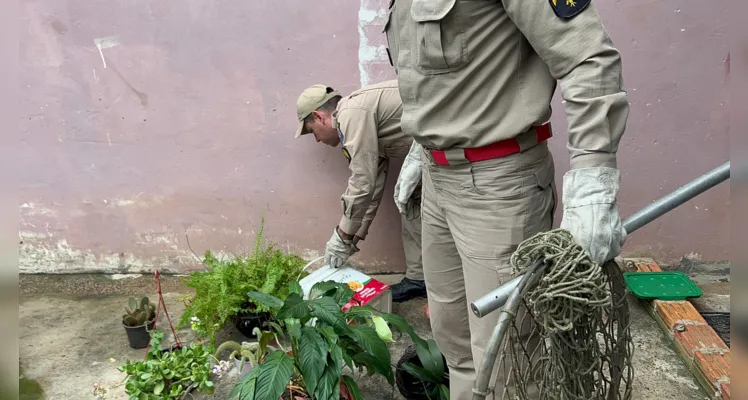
(408, 180)
(413, 206)
(338, 250)
(412, 209)
(591, 212)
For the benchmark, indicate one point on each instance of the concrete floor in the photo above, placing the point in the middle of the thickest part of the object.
(71, 338)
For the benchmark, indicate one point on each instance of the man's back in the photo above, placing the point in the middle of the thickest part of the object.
(381, 102)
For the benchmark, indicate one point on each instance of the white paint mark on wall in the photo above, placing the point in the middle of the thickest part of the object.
(370, 13)
(105, 43)
(31, 209)
(162, 239)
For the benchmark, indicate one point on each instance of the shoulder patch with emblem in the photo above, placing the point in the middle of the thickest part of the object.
(342, 144)
(568, 9)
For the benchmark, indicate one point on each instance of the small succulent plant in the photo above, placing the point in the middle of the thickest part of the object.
(139, 314)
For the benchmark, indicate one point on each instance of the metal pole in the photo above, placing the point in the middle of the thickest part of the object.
(480, 386)
(676, 198)
(496, 298)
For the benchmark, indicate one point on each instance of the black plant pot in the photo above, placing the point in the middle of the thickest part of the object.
(245, 323)
(410, 386)
(138, 336)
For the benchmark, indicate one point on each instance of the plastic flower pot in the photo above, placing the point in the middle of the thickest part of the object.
(138, 336)
(246, 323)
(410, 386)
(243, 370)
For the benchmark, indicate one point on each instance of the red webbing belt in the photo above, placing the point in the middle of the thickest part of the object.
(494, 150)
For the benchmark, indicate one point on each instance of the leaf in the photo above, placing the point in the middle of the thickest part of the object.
(329, 333)
(352, 388)
(343, 295)
(327, 310)
(443, 392)
(360, 313)
(294, 307)
(368, 339)
(319, 289)
(158, 388)
(273, 376)
(266, 300)
(367, 360)
(384, 332)
(295, 287)
(420, 373)
(348, 361)
(293, 327)
(336, 356)
(277, 327)
(403, 326)
(431, 357)
(329, 385)
(265, 338)
(245, 388)
(312, 356)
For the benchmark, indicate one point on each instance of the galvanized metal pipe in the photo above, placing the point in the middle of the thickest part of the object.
(676, 198)
(495, 299)
(480, 386)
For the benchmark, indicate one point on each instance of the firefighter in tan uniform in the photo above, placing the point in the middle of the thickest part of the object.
(476, 78)
(367, 126)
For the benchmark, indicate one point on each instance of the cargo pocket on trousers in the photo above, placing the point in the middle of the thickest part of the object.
(441, 45)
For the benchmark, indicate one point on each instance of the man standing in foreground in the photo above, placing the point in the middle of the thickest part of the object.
(367, 126)
(476, 79)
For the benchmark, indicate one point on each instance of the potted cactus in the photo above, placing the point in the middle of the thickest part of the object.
(244, 355)
(248, 354)
(139, 321)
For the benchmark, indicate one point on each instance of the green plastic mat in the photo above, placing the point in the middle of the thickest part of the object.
(666, 285)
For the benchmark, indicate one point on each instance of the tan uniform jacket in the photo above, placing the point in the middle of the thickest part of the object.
(474, 72)
(368, 122)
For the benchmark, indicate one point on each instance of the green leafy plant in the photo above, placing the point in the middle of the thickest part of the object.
(323, 340)
(221, 290)
(432, 375)
(166, 375)
(139, 314)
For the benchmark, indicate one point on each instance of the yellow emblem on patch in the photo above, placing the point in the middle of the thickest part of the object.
(568, 9)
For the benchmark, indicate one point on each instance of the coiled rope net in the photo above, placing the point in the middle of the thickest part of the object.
(570, 338)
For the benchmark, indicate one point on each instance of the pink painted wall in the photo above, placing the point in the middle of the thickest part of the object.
(188, 130)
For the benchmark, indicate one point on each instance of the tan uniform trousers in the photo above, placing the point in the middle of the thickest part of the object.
(474, 217)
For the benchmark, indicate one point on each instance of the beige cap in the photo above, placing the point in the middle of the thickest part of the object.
(311, 99)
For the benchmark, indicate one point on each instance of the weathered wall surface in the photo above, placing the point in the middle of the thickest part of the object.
(144, 123)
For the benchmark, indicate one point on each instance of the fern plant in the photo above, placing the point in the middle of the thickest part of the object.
(221, 291)
(323, 340)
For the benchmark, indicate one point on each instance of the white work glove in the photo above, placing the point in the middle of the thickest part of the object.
(407, 181)
(338, 250)
(591, 212)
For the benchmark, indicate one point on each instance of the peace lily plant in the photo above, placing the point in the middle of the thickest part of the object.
(323, 341)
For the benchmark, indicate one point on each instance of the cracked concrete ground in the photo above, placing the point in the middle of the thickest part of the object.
(70, 330)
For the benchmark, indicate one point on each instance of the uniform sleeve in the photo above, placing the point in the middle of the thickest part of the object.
(359, 129)
(581, 56)
(376, 199)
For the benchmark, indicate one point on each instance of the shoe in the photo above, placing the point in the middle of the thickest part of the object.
(408, 289)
